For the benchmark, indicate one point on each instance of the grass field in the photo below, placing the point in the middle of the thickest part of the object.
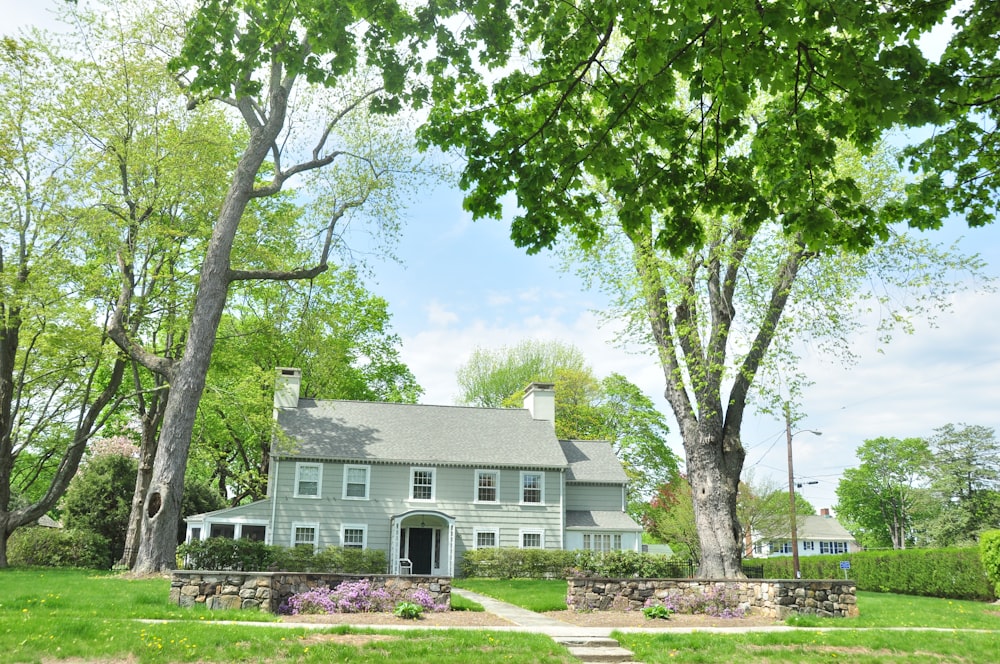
(52, 615)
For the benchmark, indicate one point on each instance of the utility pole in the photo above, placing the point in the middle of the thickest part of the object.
(791, 489)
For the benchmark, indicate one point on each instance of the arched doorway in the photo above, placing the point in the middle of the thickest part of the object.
(422, 542)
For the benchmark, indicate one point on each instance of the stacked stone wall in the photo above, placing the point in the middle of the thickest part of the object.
(773, 598)
(267, 591)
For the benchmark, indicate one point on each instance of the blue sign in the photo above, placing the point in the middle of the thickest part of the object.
(845, 564)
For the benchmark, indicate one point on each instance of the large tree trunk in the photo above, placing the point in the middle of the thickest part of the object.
(151, 416)
(161, 512)
(714, 474)
(693, 353)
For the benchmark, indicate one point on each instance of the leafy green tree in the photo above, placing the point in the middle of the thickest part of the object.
(332, 328)
(706, 145)
(763, 510)
(98, 499)
(59, 374)
(160, 171)
(670, 519)
(880, 501)
(492, 378)
(259, 60)
(611, 409)
(956, 162)
(965, 480)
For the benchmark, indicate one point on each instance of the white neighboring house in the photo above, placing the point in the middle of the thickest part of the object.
(427, 483)
(816, 534)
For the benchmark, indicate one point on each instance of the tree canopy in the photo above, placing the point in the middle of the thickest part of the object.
(672, 108)
(733, 151)
(587, 408)
(878, 500)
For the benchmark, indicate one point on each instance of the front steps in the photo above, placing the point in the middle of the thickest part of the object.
(594, 649)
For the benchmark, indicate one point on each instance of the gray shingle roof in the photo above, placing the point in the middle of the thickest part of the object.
(592, 461)
(582, 519)
(821, 528)
(418, 433)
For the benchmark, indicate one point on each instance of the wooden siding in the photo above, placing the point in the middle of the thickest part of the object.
(389, 495)
(598, 497)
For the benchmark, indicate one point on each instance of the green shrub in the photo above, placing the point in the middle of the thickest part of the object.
(220, 553)
(510, 563)
(656, 611)
(989, 556)
(54, 547)
(99, 499)
(408, 610)
(953, 573)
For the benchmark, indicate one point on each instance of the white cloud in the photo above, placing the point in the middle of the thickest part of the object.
(439, 316)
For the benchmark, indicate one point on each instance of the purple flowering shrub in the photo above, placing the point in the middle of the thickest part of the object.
(356, 597)
(719, 602)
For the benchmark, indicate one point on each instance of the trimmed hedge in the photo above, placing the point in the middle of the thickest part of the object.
(989, 554)
(35, 546)
(953, 573)
(511, 563)
(220, 553)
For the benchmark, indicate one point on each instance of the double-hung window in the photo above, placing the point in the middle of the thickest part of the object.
(308, 480)
(532, 487)
(833, 547)
(421, 484)
(356, 482)
(602, 542)
(486, 538)
(305, 534)
(487, 483)
(532, 539)
(353, 536)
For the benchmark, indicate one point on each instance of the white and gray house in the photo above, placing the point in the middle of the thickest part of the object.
(427, 483)
(817, 535)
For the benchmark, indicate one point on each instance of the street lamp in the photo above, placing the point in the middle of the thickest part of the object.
(791, 488)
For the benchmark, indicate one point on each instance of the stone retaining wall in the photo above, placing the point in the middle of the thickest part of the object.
(774, 598)
(266, 591)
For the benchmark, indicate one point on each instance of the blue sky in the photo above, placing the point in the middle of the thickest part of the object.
(463, 285)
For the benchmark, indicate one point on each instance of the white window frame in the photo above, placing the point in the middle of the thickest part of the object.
(833, 548)
(541, 487)
(302, 524)
(299, 467)
(413, 475)
(492, 531)
(368, 481)
(602, 542)
(808, 545)
(531, 531)
(363, 527)
(496, 487)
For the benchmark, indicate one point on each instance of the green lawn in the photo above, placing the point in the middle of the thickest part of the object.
(532, 594)
(51, 615)
(48, 615)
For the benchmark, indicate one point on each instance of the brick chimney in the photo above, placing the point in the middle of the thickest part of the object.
(286, 387)
(540, 400)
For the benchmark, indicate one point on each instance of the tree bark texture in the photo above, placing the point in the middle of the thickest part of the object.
(693, 347)
(161, 512)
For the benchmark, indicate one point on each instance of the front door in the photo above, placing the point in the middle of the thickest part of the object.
(421, 540)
